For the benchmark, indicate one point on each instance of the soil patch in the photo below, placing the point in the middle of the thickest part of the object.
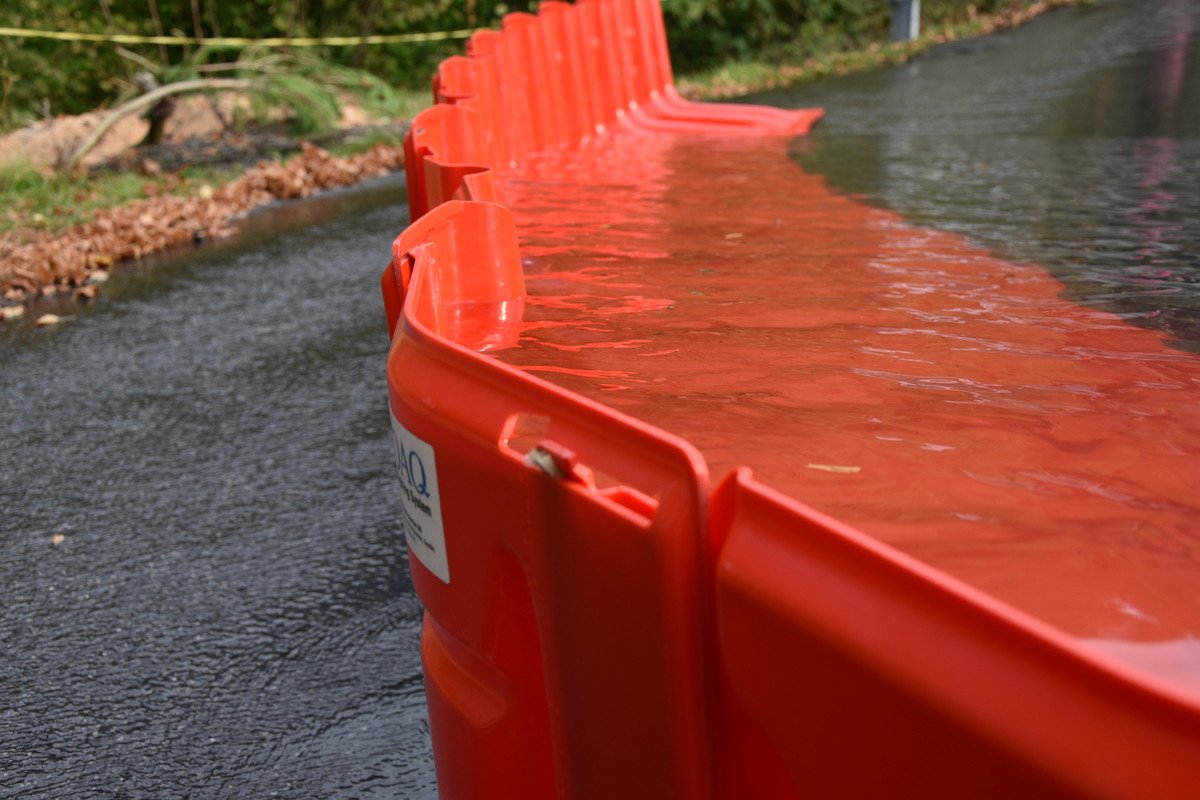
(77, 261)
(50, 142)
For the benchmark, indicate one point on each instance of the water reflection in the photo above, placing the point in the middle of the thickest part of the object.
(1045, 452)
(1071, 143)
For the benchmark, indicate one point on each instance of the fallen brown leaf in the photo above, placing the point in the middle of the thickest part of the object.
(46, 320)
(57, 539)
(11, 312)
(37, 262)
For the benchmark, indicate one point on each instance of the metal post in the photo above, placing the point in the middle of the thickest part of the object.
(906, 20)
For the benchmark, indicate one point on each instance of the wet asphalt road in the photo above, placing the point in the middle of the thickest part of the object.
(228, 613)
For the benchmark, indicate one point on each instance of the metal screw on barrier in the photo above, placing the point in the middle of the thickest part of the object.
(906, 20)
(553, 459)
(540, 459)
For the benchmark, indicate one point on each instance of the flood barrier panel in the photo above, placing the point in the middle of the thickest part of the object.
(600, 621)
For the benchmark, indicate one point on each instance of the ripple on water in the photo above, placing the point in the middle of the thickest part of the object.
(943, 399)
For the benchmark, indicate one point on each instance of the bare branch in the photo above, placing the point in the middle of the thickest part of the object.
(146, 100)
(141, 61)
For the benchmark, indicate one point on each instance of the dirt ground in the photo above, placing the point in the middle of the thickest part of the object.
(50, 142)
(35, 263)
(75, 262)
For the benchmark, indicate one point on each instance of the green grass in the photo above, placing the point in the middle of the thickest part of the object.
(737, 77)
(410, 101)
(53, 202)
(364, 142)
(34, 199)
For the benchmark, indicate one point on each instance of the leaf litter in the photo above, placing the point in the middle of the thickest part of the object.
(36, 263)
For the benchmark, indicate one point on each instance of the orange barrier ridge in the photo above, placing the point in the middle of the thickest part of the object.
(557, 80)
(599, 620)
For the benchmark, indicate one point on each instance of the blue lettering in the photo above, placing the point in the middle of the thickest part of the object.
(412, 470)
(415, 467)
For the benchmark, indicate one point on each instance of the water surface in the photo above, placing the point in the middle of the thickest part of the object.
(1072, 142)
(963, 381)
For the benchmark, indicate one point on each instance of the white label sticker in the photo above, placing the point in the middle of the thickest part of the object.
(420, 500)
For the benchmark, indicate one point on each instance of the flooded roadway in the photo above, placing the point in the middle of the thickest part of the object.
(228, 613)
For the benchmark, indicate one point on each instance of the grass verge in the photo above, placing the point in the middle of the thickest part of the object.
(36, 200)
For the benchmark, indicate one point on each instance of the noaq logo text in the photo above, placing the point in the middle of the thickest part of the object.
(414, 480)
(421, 501)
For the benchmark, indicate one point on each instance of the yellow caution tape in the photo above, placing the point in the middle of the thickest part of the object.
(281, 41)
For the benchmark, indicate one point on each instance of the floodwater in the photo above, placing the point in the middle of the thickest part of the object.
(1072, 143)
(1033, 430)
(228, 612)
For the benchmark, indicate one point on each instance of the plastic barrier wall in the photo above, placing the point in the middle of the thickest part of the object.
(600, 621)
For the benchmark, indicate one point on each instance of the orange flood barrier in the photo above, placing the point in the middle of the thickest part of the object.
(600, 621)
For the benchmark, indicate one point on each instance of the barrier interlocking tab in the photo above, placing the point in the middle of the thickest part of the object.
(448, 154)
